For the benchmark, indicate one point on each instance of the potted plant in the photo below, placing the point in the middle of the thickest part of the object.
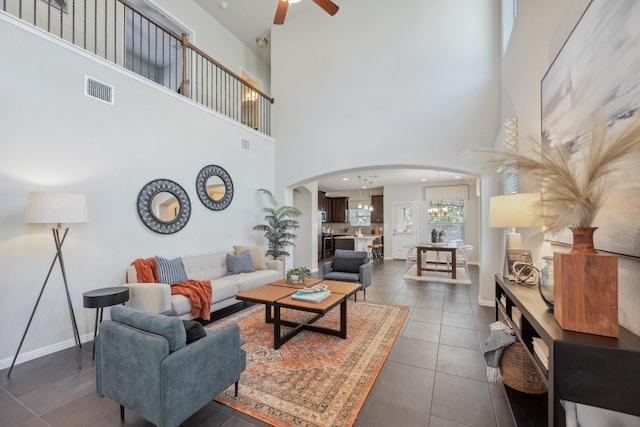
(297, 274)
(278, 226)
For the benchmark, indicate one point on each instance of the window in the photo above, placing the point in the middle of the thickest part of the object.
(447, 221)
(360, 217)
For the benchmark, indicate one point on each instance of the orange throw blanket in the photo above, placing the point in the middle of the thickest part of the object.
(198, 291)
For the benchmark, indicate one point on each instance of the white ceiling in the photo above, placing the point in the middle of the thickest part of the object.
(250, 19)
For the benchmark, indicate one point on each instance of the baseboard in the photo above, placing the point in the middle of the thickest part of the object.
(43, 351)
(486, 303)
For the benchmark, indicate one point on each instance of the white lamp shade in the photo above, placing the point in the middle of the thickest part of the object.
(514, 210)
(56, 208)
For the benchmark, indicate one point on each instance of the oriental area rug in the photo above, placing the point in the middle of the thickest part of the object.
(314, 379)
(436, 276)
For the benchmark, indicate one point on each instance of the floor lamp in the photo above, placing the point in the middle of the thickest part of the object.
(511, 211)
(55, 208)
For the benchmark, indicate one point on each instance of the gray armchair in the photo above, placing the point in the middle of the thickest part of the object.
(349, 266)
(144, 364)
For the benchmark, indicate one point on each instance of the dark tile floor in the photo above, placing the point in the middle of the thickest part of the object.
(433, 377)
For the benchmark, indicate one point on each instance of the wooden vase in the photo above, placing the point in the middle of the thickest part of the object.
(586, 287)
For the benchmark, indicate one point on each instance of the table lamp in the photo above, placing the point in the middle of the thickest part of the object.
(511, 211)
(55, 208)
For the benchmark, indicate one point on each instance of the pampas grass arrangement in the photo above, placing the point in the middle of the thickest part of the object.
(574, 191)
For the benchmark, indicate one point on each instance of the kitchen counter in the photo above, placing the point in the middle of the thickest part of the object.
(360, 243)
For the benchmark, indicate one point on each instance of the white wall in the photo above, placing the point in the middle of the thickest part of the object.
(54, 138)
(411, 86)
(373, 85)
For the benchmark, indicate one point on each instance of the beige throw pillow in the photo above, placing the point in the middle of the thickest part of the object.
(257, 257)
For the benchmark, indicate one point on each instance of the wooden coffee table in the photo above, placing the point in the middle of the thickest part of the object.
(278, 295)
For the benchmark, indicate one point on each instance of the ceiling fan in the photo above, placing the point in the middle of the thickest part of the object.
(327, 5)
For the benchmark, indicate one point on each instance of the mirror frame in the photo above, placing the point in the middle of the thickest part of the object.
(201, 187)
(145, 198)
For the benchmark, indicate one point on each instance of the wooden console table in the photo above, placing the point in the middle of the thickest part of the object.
(583, 368)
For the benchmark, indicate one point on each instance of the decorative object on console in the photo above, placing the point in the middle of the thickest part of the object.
(586, 287)
(511, 211)
(55, 208)
(574, 190)
(297, 275)
(214, 187)
(164, 206)
(545, 283)
(279, 225)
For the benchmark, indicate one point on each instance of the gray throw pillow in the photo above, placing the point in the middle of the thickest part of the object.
(240, 264)
(170, 271)
(194, 330)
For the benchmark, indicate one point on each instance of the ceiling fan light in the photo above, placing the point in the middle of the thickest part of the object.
(294, 1)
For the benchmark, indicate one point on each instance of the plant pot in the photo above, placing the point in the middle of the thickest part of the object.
(586, 287)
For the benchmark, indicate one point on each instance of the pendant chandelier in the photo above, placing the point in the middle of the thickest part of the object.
(364, 199)
(439, 210)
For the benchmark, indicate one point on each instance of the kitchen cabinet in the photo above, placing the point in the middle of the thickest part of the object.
(589, 369)
(377, 214)
(322, 201)
(339, 206)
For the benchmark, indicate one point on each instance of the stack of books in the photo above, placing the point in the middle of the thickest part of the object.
(541, 350)
(311, 295)
(516, 317)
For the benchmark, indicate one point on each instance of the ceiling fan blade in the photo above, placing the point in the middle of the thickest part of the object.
(281, 12)
(328, 6)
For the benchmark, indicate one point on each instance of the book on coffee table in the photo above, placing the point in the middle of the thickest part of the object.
(311, 296)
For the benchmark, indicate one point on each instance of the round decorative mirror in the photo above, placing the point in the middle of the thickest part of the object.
(214, 187)
(164, 206)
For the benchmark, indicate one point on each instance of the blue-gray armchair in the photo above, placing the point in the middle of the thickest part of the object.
(143, 363)
(349, 266)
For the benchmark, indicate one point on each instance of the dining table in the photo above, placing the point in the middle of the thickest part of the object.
(436, 247)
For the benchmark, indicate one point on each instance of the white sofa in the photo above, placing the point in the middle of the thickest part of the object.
(156, 297)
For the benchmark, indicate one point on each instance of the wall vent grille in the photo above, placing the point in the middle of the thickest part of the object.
(98, 90)
(245, 144)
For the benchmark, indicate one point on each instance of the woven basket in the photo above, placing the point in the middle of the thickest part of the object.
(518, 371)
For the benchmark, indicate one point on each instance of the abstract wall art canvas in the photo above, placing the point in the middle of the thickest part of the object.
(595, 79)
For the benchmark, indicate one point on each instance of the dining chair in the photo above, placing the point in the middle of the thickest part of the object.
(462, 257)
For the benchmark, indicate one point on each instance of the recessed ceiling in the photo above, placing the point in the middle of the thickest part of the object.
(380, 177)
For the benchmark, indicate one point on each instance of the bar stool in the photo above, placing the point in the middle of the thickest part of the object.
(376, 252)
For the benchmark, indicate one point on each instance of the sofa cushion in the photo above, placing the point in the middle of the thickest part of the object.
(206, 267)
(224, 287)
(169, 327)
(342, 276)
(258, 278)
(240, 264)
(348, 265)
(170, 271)
(257, 256)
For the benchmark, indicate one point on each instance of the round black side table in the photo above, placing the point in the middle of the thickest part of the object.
(100, 298)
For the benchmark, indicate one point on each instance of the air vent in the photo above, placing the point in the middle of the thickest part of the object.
(98, 90)
(245, 144)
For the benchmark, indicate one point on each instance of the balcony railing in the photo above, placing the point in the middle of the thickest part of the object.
(121, 33)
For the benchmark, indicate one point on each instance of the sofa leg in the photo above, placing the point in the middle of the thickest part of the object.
(236, 388)
(364, 294)
(121, 413)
